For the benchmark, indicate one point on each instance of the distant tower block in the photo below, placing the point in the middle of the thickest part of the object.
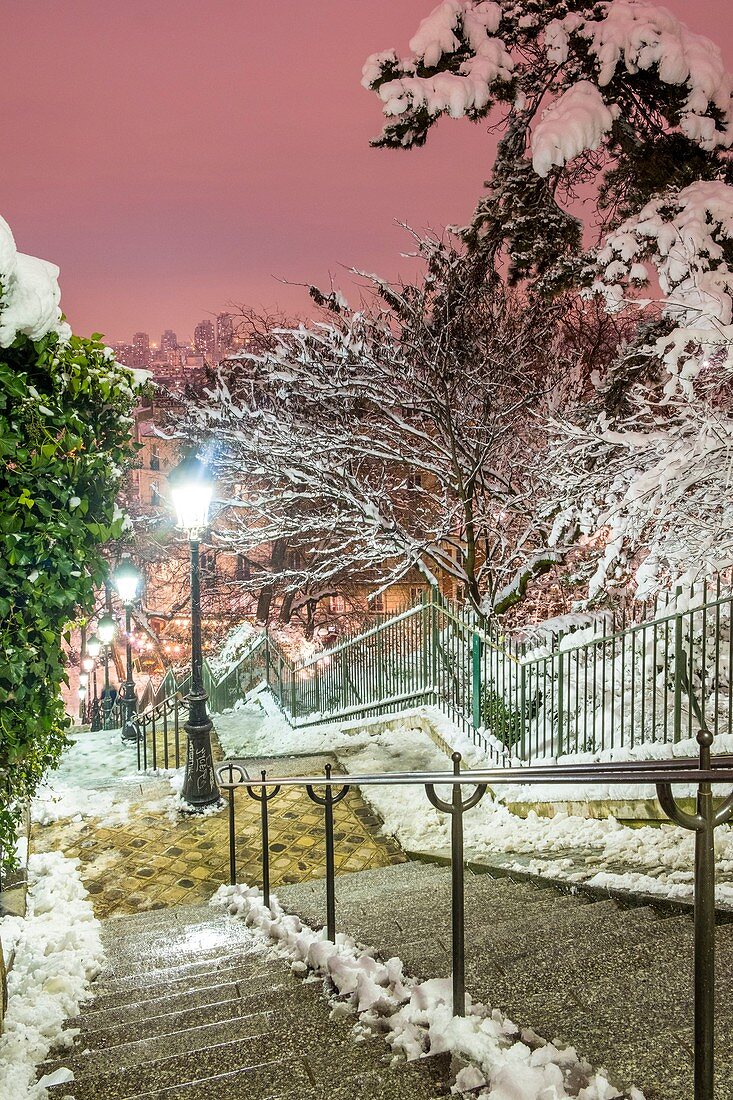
(141, 350)
(204, 341)
(224, 335)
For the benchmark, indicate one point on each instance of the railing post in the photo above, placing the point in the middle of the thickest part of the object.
(434, 634)
(330, 863)
(265, 831)
(294, 696)
(680, 677)
(456, 808)
(703, 823)
(263, 798)
(328, 802)
(476, 653)
(558, 748)
(232, 836)
(175, 730)
(523, 708)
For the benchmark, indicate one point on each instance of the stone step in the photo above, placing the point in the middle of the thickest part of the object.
(111, 982)
(175, 982)
(140, 1050)
(263, 1055)
(160, 950)
(107, 1029)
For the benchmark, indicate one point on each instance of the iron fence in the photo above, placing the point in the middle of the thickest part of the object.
(605, 684)
(597, 685)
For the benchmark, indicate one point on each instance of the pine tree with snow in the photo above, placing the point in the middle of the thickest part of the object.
(620, 99)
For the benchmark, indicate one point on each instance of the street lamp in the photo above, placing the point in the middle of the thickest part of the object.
(106, 628)
(126, 580)
(191, 490)
(93, 648)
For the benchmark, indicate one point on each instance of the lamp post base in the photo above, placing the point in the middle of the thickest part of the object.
(199, 783)
(130, 727)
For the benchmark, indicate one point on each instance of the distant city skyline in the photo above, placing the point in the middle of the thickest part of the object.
(211, 340)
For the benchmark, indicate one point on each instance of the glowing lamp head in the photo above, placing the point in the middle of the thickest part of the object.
(191, 492)
(106, 629)
(87, 663)
(83, 679)
(126, 580)
(93, 645)
(82, 692)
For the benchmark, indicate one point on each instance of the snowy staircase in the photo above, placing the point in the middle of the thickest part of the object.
(188, 1008)
(616, 983)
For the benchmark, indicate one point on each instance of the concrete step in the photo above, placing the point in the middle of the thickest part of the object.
(119, 982)
(99, 1030)
(154, 989)
(160, 950)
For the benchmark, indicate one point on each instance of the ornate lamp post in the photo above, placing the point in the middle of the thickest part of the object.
(191, 490)
(93, 649)
(106, 628)
(126, 580)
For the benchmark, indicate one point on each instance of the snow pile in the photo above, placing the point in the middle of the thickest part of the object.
(58, 951)
(578, 120)
(415, 1017)
(29, 294)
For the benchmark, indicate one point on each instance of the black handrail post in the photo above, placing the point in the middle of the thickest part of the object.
(265, 828)
(458, 905)
(703, 823)
(232, 836)
(328, 802)
(456, 808)
(263, 798)
(705, 944)
(330, 863)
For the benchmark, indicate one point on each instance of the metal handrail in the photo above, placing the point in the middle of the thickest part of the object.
(151, 719)
(703, 772)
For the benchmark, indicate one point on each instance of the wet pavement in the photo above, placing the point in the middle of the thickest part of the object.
(154, 857)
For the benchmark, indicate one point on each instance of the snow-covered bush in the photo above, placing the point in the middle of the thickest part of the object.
(64, 434)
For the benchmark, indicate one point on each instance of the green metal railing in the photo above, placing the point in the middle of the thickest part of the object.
(606, 685)
(611, 684)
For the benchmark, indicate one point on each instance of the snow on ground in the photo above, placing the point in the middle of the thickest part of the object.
(416, 1017)
(98, 778)
(558, 846)
(57, 952)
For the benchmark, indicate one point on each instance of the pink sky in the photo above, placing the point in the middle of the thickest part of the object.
(174, 156)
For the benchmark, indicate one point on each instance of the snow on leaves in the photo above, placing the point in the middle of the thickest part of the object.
(687, 238)
(640, 35)
(29, 294)
(468, 51)
(453, 28)
(578, 120)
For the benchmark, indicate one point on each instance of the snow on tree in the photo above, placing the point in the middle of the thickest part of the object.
(391, 437)
(621, 99)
